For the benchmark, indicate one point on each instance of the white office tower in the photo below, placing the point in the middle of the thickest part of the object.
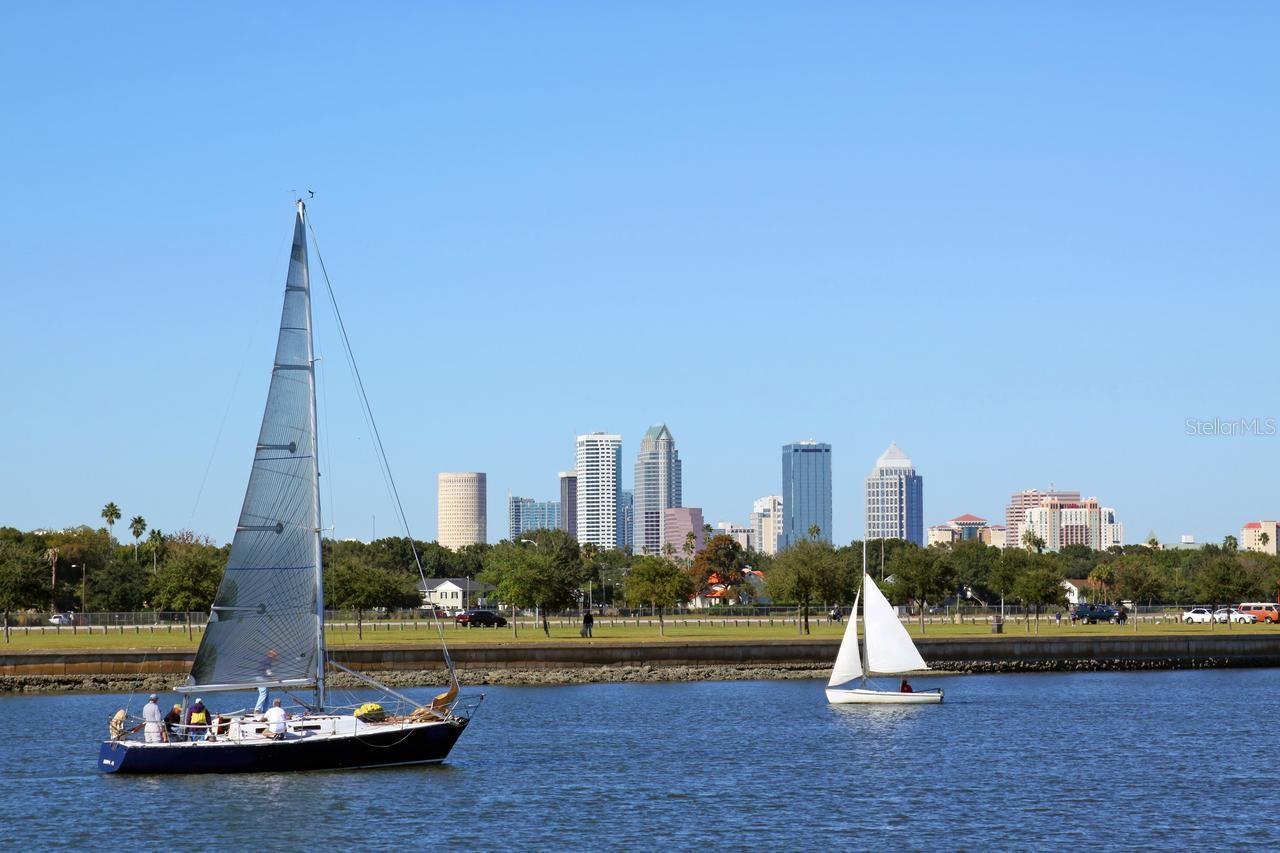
(657, 488)
(599, 468)
(461, 518)
(765, 522)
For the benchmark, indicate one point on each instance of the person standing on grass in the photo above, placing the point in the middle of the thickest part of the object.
(587, 621)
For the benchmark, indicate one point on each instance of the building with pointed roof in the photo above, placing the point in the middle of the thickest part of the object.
(658, 488)
(895, 498)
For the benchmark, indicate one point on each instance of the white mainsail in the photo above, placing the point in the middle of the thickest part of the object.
(848, 660)
(889, 646)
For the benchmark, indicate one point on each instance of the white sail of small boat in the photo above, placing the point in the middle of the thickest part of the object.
(887, 650)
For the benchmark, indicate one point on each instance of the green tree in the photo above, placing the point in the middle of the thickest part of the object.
(921, 575)
(1105, 577)
(1040, 585)
(21, 580)
(1032, 542)
(1230, 544)
(1221, 581)
(1264, 537)
(155, 544)
(188, 580)
(137, 526)
(690, 546)
(361, 586)
(814, 531)
(534, 576)
(973, 562)
(1004, 573)
(658, 583)
(1137, 578)
(807, 572)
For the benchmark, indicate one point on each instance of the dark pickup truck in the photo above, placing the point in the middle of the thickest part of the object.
(1091, 614)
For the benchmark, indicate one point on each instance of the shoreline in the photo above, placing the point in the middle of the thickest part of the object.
(642, 674)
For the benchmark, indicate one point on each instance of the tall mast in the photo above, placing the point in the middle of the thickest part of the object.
(866, 656)
(321, 655)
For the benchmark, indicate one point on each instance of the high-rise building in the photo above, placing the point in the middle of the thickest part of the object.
(1260, 536)
(525, 514)
(657, 487)
(627, 521)
(599, 470)
(1020, 502)
(569, 503)
(806, 491)
(765, 522)
(461, 517)
(678, 524)
(1061, 523)
(895, 499)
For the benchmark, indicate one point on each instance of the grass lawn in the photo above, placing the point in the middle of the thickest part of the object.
(606, 630)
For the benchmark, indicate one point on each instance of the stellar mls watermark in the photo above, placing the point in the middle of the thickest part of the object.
(1231, 427)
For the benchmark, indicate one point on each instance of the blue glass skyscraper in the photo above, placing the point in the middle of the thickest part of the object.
(806, 491)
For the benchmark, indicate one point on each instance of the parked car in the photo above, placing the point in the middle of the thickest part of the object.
(483, 618)
(1091, 614)
(438, 612)
(1222, 614)
(1263, 611)
(1200, 615)
(62, 619)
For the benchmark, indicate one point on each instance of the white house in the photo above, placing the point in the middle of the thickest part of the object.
(453, 593)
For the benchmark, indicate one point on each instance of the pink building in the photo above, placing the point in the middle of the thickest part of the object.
(677, 524)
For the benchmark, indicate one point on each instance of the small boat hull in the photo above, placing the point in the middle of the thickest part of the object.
(861, 696)
(383, 746)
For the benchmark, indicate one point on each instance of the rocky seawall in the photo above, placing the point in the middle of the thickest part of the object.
(572, 663)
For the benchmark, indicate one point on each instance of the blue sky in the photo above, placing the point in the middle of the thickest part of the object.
(1025, 241)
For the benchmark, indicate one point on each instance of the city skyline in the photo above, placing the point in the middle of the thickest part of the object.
(899, 198)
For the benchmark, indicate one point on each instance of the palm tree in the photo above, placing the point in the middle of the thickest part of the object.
(1032, 542)
(52, 556)
(1230, 544)
(137, 526)
(814, 532)
(668, 550)
(111, 513)
(1264, 538)
(155, 541)
(690, 544)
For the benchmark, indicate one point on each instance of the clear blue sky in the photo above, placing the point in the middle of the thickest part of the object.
(1025, 241)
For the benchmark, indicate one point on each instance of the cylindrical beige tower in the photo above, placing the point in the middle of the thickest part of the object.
(460, 515)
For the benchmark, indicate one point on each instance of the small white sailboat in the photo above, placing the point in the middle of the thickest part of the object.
(888, 650)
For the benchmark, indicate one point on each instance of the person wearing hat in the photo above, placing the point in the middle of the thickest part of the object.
(198, 719)
(153, 720)
(173, 724)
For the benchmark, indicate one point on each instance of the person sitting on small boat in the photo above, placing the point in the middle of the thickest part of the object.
(198, 718)
(906, 687)
(153, 720)
(275, 721)
(266, 671)
(173, 723)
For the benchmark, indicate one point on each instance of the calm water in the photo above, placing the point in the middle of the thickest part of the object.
(1170, 759)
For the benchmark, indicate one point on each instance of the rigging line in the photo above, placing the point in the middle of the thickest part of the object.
(382, 453)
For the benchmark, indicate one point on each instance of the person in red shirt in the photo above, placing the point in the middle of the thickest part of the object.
(906, 687)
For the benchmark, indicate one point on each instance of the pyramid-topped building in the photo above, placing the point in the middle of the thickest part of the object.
(895, 498)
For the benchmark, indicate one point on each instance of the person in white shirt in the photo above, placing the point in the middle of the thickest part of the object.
(275, 721)
(153, 720)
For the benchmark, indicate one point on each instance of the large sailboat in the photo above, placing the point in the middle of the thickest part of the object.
(266, 629)
(886, 650)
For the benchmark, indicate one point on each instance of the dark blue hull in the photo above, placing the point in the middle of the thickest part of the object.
(417, 745)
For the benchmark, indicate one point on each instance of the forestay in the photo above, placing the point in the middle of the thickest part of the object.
(264, 625)
(889, 646)
(848, 661)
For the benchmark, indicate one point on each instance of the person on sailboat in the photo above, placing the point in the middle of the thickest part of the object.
(906, 687)
(266, 671)
(275, 721)
(197, 720)
(153, 720)
(173, 723)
